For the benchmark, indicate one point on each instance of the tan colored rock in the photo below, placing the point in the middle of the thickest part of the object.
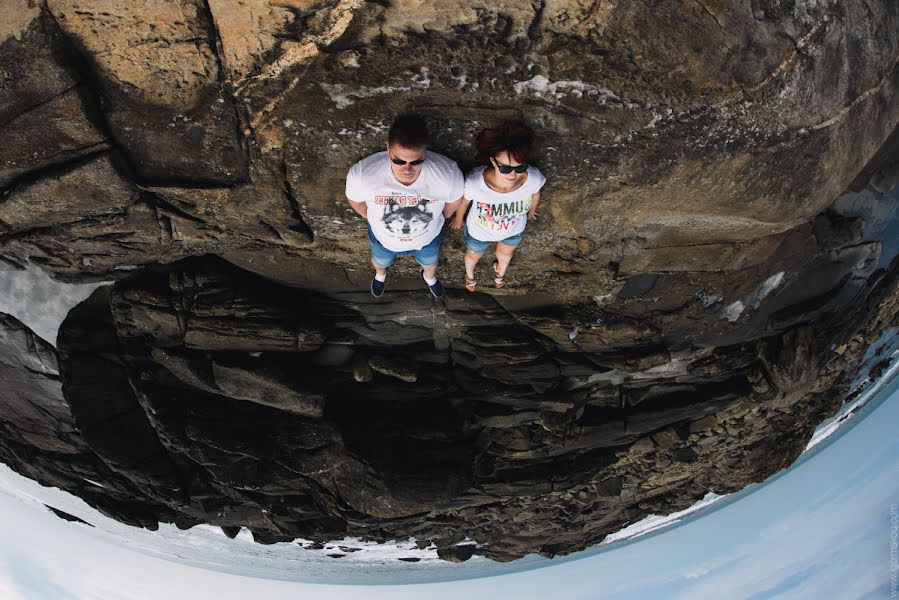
(666, 438)
(161, 87)
(250, 30)
(326, 28)
(422, 16)
(159, 50)
(17, 15)
(95, 189)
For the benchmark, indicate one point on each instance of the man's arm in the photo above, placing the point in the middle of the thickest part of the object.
(450, 207)
(460, 213)
(359, 207)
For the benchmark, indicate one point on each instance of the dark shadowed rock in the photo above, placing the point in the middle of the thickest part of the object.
(109, 416)
(66, 516)
(457, 554)
(161, 86)
(695, 297)
(30, 57)
(53, 133)
(547, 460)
(40, 439)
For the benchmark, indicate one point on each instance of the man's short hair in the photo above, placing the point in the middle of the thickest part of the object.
(409, 131)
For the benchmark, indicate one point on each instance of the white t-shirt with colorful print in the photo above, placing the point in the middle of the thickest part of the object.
(495, 216)
(404, 217)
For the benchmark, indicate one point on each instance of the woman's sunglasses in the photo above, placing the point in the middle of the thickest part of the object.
(506, 169)
(414, 163)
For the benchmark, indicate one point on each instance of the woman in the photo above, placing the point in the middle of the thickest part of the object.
(504, 194)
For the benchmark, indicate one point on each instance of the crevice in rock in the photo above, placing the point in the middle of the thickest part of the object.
(215, 42)
(337, 22)
(296, 208)
(157, 201)
(89, 150)
(711, 14)
(791, 57)
(57, 169)
(841, 114)
(42, 103)
(535, 29)
(223, 76)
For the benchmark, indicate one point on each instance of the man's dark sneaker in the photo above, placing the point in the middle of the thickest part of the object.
(377, 287)
(436, 289)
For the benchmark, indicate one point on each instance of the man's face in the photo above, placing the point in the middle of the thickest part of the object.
(405, 173)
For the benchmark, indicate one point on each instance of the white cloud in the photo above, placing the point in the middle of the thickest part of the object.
(39, 301)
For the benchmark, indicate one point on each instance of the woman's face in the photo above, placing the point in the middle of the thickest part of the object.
(505, 159)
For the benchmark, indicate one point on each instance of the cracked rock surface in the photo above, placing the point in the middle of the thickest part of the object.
(714, 255)
(219, 396)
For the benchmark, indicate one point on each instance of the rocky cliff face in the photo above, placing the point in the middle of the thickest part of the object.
(692, 303)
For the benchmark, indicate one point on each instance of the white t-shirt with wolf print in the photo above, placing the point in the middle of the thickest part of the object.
(495, 216)
(404, 217)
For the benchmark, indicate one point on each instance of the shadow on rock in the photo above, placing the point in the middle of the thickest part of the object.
(213, 395)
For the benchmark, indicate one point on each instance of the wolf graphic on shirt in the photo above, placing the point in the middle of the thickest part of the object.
(407, 221)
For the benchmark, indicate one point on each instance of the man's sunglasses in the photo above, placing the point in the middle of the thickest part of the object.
(414, 163)
(506, 169)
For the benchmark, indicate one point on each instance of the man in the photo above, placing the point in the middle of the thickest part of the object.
(406, 194)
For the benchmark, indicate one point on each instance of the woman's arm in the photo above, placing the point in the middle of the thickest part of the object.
(460, 213)
(532, 213)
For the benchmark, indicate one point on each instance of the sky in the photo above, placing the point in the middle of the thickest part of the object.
(821, 529)
(39, 301)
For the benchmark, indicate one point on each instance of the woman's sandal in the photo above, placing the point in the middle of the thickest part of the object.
(471, 283)
(499, 280)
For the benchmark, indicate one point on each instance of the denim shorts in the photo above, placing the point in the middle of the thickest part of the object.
(478, 247)
(426, 257)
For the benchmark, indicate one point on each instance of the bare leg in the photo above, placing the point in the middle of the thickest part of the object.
(471, 261)
(503, 256)
(382, 271)
(429, 272)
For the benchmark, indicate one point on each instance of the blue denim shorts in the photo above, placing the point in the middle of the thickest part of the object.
(426, 257)
(478, 247)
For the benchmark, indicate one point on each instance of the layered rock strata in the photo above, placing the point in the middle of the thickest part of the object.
(694, 299)
(674, 137)
(220, 397)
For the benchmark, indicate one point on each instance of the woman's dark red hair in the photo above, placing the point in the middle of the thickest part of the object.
(512, 136)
